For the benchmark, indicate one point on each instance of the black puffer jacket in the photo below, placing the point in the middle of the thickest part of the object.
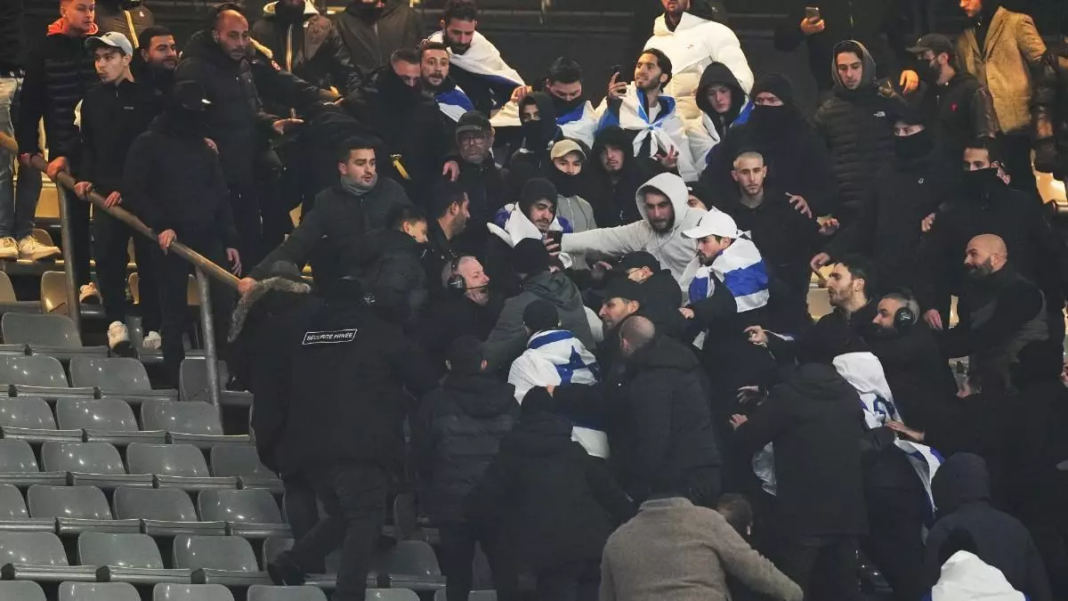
(962, 110)
(458, 433)
(487, 191)
(112, 117)
(235, 118)
(395, 275)
(59, 72)
(857, 127)
(371, 36)
(961, 490)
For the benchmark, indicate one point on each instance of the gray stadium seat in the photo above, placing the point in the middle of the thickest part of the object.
(165, 512)
(38, 376)
(30, 419)
(51, 335)
(248, 513)
(13, 514)
(191, 592)
(93, 463)
(76, 509)
(119, 377)
(38, 556)
(244, 463)
(194, 423)
(175, 466)
(103, 420)
(93, 591)
(18, 466)
(412, 564)
(132, 558)
(273, 547)
(285, 593)
(226, 560)
(193, 383)
(473, 596)
(391, 594)
(21, 591)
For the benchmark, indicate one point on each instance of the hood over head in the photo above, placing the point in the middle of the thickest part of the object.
(963, 478)
(538, 134)
(613, 135)
(671, 185)
(270, 10)
(718, 73)
(865, 57)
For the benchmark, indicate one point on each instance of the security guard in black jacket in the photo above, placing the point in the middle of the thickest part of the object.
(329, 379)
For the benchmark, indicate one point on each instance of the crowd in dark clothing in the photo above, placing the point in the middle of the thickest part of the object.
(562, 327)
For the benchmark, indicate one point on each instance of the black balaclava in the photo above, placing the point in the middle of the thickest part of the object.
(396, 90)
(981, 183)
(537, 135)
(566, 185)
(771, 118)
(289, 14)
(564, 107)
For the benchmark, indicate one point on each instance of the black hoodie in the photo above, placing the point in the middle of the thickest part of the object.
(613, 198)
(457, 435)
(961, 489)
(531, 159)
(718, 73)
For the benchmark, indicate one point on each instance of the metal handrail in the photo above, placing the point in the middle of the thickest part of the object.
(204, 266)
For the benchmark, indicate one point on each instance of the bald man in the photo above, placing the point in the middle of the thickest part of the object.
(217, 59)
(1000, 312)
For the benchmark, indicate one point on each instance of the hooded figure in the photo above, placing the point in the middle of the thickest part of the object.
(576, 118)
(857, 128)
(667, 245)
(613, 191)
(962, 493)
(373, 31)
(796, 158)
(710, 127)
(531, 158)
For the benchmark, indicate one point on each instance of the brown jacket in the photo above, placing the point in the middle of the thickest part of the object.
(675, 551)
(1013, 48)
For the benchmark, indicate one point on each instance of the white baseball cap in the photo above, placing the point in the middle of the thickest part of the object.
(112, 39)
(714, 223)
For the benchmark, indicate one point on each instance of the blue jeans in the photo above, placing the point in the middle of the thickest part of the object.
(17, 208)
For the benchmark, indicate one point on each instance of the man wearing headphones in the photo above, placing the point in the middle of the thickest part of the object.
(464, 306)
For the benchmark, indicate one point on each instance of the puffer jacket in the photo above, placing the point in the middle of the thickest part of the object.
(857, 127)
(1005, 64)
(457, 435)
(58, 74)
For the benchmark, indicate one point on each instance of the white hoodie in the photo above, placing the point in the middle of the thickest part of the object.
(694, 45)
(965, 577)
(670, 248)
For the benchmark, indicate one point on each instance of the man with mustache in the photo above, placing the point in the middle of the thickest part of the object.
(156, 59)
(434, 69)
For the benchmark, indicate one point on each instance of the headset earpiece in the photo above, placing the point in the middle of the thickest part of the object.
(904, 319)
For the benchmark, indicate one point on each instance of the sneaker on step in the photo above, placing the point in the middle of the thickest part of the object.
(118, 337)
(30, 248)
(89, 294)
(9, 249)
(152, 341)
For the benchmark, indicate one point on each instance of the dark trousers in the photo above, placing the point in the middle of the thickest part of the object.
(1017, 153)
(572, 581)
(112, 240)
(249, 227)
(78, 216)
(354, 497)
(458, 553)
(824, 567)
(172, 281)
(895, 541)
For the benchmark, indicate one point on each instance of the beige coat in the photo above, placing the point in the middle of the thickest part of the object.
(675, 551)
(1013, 47)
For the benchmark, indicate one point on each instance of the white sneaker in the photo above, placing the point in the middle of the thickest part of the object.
(118, 337)
(9, 249)
(30, 248)
(152, 341)
(89, 293)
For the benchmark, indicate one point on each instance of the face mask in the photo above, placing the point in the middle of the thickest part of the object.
(564, 107)
(928, 73)
(535, 137)
(566, 185)
(981, 182)
(913, 147)
(770, 116)
(288, 13)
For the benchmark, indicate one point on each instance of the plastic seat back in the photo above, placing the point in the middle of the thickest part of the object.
(26, 412)
(12, 507)
(98, 591)
(191, 592)
(411, 558)
(238, 460)
(119, 550)
(193, 378)
(33, 370)
(84, 457)
(189, 418)
(16, 456)
(42, 330)
(163, 504)
(252, 506)
(78, 502)
(21, 591)
(229, 553)
(166, 459)
(113, 415)
(260, 592)
(110, 373)
(32, 548)
(391, 594)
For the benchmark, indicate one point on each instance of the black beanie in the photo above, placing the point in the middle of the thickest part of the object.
(534, 190)
(540, 316)
(530, 257)
(775, 83)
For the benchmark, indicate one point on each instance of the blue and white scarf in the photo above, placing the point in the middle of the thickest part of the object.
(579, 124)
(667, 130)
(454, 103)
(741, 268)
(511, 226)
(482, 58)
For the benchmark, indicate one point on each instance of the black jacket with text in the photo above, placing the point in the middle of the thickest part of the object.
(112, 118)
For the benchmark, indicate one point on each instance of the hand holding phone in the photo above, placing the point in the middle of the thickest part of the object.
(812, 23)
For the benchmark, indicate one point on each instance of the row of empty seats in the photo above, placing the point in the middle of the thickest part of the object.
(117, 591)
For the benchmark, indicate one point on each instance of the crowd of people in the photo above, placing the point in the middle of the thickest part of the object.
(578, 327)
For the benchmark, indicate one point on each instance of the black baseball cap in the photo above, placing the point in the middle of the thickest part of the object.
(473, 121)
(637, 260)
(934, 42)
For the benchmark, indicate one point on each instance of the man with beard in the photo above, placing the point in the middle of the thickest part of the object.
(372, 30)
(128, 17)
(450, 211)
(954, 100)
(476, 64)
(480, 178)
(907, 188)
(463, 306)
(217, 59)
(575, 114)
(987, 205)
(394, 108)
(156, 59)
(306, 44)
(1000, 310)
(797, 159)
(662, 203)
(693, 43)
(616, 175)
(650, 118)
(854, 125)
(434, 69)
(534, 216)
(723, 104)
